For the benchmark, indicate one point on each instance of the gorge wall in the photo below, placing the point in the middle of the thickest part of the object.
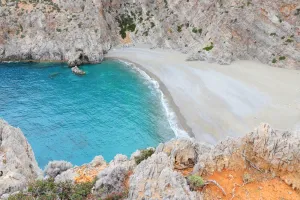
(264, 156)
(220, 31)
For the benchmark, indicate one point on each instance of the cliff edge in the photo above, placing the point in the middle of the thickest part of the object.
(17, 162)
(265, 160)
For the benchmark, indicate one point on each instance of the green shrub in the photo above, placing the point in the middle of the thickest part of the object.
(64, 190)
(208, 48)
(131, 27)
(195, 182)
(282, 58)
(146, 153)
(179, 28)
(49, 190)
(195, 30)
(83, 189)
(42, 187)
(126, 23)
(20, 196)
(274, 60)
(200, 31)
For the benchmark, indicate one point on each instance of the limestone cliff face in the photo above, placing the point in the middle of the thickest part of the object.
(17, 162)
(53, 30)
(163, 175)
(214, 30)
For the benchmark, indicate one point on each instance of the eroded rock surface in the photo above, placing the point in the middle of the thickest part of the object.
(155, 178)
(55, 168)
(17, 161)
(81, 31)
(77, 71)
(163, 175)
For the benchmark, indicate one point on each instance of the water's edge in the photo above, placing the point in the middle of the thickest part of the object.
(175, 118)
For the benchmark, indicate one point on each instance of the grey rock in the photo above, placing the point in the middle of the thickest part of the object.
(17, 161)
(98, 160)
(71, 173)
(110, 181)
(77, 71)
(55, 168)
(135, 154)
(118, 159)
(155, 177)
(68, 175)
(183, 152)
(82, 31)
(268, 149)
(78, 58)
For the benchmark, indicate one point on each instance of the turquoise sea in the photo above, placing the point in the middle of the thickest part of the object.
(112, 109)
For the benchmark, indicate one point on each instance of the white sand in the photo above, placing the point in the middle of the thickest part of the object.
(223, 100)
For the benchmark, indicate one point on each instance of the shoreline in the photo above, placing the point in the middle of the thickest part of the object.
(212, 102)
(181, 121)
(221, 101)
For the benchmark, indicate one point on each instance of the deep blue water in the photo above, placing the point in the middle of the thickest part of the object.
(111, 110)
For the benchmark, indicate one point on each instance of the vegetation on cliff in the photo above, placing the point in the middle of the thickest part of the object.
(263, 164)
(239, 29)
(48, 189)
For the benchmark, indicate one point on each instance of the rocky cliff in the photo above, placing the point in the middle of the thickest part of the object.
(17, 161)
(265, 159)
(81, 31)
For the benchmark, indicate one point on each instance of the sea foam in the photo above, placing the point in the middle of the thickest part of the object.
(170, 113)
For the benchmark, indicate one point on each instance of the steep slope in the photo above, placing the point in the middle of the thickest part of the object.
(53, 30)
(265, 160)
(17, 161)
(218, 31)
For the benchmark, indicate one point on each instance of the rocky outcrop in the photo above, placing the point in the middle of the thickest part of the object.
(154, 178)
(70, 30)
(84, 173)
(17, 162)
(110, 180)
(78, 58)
(265, 149)
(184, 153)
(163, 173)
(77, 71)
(55, 168)
(213, 30)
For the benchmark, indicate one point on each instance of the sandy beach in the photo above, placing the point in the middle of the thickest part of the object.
(215, 101)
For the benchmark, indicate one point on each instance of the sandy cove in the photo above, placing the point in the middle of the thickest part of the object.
(217, 101)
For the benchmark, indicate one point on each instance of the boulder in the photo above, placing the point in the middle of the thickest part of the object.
(155, 177)
(55, 168)
(183, 152)
(77, 71)
(110, 181)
